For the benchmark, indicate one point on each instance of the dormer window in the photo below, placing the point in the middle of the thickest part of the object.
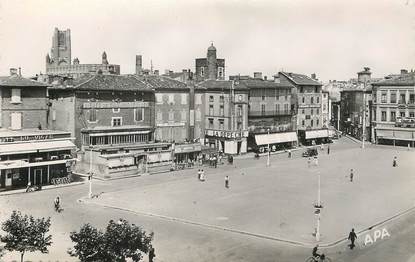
(16, 95)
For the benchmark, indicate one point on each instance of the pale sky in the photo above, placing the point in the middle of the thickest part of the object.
(332, 38)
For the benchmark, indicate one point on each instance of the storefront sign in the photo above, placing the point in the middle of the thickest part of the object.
(187, 148)
(26, 138)
(226, 134)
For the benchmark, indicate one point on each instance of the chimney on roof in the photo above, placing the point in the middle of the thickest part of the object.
(156, 72)
(265, 78)
(258, 75)
(404, 71)
(313, 76)
(13, 71)
(20, 71)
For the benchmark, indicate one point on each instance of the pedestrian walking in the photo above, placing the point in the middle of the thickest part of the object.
(352, 237)
(351, 175)
(215, 161)
(289, 153)
(227, 181)
(57, 203)
(395, 162)
(199, 174)
(315, 160)
(202, 176)
(309, 161)
(328, 150)
(151, 254)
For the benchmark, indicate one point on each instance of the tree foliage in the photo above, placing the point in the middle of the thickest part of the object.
(120, 241)
(26, 234)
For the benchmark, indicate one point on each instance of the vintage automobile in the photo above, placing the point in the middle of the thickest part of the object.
(310, 152)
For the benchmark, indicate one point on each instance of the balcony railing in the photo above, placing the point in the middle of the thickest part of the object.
(270, 113)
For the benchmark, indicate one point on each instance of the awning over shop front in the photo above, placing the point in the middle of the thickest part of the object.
(24, 164)
(316, 134)
(275, 138)
(44, 146)
(395, 134)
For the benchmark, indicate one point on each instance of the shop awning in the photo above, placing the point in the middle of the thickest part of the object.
(395, 134)
(275, 138)
(44, 146)
(316, 134)
(120, 133)
(4, 165)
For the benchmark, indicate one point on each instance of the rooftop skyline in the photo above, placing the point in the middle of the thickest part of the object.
(334, 39)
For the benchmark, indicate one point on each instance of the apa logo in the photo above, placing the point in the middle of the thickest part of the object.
(377, 234)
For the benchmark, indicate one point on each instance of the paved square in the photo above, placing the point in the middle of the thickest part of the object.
(277, 201)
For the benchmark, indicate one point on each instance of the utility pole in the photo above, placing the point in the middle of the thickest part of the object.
(318, 208)
(268, 152)
(90, 172)
(364, 121)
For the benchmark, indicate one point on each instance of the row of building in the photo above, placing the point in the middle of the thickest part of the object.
(380, 111)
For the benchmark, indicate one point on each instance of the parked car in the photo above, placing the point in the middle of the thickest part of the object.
(310, 152)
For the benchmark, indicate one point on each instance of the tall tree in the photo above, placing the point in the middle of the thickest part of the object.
(120, 241)
(26, 234)
(89, 244)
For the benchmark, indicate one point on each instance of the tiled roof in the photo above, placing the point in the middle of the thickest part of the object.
(259, 83)
(219, 84)
(107, 82)
(399, 80)
(300, 79)
(162, 82)
(18, 81)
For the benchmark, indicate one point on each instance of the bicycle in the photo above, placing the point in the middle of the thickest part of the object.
(322, 258)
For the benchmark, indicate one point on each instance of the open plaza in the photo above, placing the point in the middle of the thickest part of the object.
(266, 208)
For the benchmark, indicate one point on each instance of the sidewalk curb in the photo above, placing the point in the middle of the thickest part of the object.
(23, 191)
(332, 244)
(185, 221)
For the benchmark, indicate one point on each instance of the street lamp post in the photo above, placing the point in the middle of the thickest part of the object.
(268, 150)
(364, 121)
(90, 172)
(318, 208)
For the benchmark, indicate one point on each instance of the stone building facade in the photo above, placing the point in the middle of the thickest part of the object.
(270, 118)
(30, 154)
(393, 110)
(112, 118)
(211, 67)
(224, 121)
(306, 101)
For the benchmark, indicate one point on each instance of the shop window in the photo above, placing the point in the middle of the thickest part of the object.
(16, 95)
(92, 115)
(16, 121)
(221, 124)
(139, 114)
(383, 116)
(211, 123)
(383, 98)
(184, 99)
(393, 116)
(159, 98)
(116, 121)
(393, 97)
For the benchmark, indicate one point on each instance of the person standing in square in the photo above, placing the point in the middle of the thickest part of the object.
(227, 181)
(351, 175)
